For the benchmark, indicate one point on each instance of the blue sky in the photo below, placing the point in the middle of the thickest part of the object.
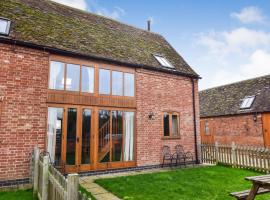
(223, 41)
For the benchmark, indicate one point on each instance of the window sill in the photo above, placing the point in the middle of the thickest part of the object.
(171, 137)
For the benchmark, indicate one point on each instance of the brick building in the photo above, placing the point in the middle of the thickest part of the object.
(93, 92)
(238, 112)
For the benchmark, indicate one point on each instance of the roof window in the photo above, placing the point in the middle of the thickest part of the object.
(4, 26)
(247, 102)
(163, 61)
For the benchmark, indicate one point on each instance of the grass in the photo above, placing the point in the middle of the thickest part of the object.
(187, 184)
(89, 195)
(18, 194)
(28, 194)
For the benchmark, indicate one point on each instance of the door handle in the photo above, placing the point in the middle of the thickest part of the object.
(78, 139)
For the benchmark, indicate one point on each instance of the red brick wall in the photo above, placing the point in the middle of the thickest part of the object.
(158, 92)
(23, 83)
(240, 129)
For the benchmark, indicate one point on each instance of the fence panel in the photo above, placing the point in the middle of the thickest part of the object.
(237, 156)
(50, 184)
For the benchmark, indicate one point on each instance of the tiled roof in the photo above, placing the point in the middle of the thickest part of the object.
(50, 24)
(226, 100)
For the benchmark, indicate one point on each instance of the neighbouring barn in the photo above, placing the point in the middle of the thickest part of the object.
(237, 112)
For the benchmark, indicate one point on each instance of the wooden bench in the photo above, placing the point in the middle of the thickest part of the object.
(242, 195)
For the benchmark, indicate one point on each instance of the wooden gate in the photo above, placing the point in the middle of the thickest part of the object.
(266, 129)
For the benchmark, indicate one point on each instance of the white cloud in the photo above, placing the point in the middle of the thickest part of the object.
(249, 14)
(80, 4)
(259, 64)
(116, 13)
(234, 55)
(238, 40)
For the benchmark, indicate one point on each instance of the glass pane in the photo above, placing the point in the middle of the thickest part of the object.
(175, 125)
(3, 26)
(104, 136)
(87, 79)
(71, 136)
(86, 134)
(206, 128)
(129, 136)
(117, 83)
(117, 135)
(57, 70)
(166, 125)
(129, 85)
(54, 134)
(73, 77)
(104, 81)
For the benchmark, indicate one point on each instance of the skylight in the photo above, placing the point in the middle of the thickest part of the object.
(247, 102)
(163, 61)
(4, 26)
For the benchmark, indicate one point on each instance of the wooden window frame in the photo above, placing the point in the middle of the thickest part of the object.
(65, 77)
(97, 66)
(171, 136)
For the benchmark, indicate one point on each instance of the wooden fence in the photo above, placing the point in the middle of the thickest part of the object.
(237, 156)
(50, 184)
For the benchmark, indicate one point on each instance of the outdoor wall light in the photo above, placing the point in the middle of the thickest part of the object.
(151, 115)
(255, 117)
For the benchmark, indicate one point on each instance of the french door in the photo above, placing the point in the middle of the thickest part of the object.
(115, 138)
(69, 136)
(81, 138)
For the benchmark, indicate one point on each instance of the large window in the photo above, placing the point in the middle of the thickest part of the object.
(87, 79)
(117, 83)
(57, 71)
(129, 85)
(71, 77)
(104, 81)
(171, 125)
(121, 84)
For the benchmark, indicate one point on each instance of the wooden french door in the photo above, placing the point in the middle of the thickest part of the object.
(82, 138)
(78, 138)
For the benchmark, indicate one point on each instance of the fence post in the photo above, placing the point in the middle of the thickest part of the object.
(216, 152)
(45, 180)
(233, 154)
(35, 170)
(72, 186)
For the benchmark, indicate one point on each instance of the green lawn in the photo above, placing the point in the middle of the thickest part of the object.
(15, 195)
(28, 194)
(187, 184)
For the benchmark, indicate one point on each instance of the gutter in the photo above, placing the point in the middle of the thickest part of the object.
(94, 57)
(195, 122)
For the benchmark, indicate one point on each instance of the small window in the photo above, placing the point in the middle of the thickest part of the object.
(117, 83)
(247, 102)
(57, 71)
(4, 26)
(163, 61)
(104, 81)
(129, 85)
(206, 128)
(88, 79)
(170, 124)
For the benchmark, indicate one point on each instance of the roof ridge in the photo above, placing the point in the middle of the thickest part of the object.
(233, 83)
(104, 17)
